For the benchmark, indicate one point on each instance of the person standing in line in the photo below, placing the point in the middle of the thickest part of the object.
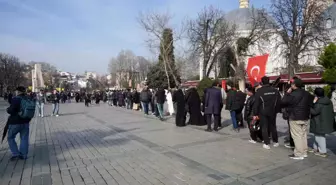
(55, 99)
(180, 116)
(248, 117)
(231, 106)
(213, 104)
(298, 101)
(18, 122)
(160, 100)
(266, 106)
(41, 100)
(322, 122)
(145, 99)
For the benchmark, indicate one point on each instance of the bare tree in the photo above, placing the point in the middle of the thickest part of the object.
(301, 27)
(124, 67)
(155, 24)
(209, 34)
(143, 67)
(12, 71)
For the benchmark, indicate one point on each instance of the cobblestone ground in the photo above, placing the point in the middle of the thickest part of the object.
(108, 145)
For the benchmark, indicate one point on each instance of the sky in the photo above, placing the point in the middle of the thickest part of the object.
(83, 35)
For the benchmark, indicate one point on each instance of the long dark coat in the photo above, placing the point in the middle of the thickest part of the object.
(213, 101)
(180, 117)
(322, 120)
(194, 107)
(121, 99)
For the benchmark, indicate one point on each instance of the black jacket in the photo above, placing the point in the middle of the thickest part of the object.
(231, 94)
(13, 111)
(267, 101)
(248, 111)
(160, 96)
(298, 104)
(55, 98)
(145, 96)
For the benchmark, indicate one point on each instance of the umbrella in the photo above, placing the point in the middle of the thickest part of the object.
(4, 132)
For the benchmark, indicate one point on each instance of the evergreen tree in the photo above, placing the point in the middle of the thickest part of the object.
(328, 60)
(157, 76)
(227, 58)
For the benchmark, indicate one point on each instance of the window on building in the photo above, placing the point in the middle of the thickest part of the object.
(328, 23)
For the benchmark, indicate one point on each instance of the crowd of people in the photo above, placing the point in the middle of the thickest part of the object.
(258, 106)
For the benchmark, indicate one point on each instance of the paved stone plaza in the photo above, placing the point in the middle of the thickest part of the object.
(107, 145)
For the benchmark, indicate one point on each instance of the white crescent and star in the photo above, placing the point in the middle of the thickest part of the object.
(255, 68)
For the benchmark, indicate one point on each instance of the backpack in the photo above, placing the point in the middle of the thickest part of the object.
(27, 108)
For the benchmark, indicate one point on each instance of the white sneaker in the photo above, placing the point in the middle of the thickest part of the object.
(42, 116)
(305, 156)
(296, 157)
(39, 115)
(275, 144)
(57, 115)
(252, 141)
(266, 146)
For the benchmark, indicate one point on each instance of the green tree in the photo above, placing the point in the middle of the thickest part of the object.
(328, 60)
(167, 58)
(203, 84)
(227, 58)
(157, 77)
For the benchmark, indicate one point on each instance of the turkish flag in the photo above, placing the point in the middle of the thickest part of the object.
(224, 84)
(256, 68)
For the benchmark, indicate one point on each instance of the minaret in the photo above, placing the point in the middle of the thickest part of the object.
(244, 3)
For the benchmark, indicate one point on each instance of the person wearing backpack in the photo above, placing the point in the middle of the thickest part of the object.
(21, 111)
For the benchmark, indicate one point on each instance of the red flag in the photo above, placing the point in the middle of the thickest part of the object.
(224, 84)
(256, 68)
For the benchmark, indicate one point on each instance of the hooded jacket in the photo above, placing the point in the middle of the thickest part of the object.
(322, 117)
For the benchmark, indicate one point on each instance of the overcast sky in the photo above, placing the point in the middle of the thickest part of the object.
(79, 35)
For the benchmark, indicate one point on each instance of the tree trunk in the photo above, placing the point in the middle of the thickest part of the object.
(167, 74)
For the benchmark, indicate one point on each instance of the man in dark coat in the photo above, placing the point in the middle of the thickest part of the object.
(298, 101)
(265, 109)
(232, 106)
(322, 122)
(194, 107)
(180, 117)
(160, 100)
(145, 98)
(248, 116)
(17, 124)
(213, 104)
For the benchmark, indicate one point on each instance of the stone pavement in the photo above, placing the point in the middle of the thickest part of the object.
(107, 145)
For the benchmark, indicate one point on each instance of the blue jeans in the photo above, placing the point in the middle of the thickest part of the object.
(40, 107)
(13, 130)
(160, 109)
(55, 108)
(234, 119)
(145, 107)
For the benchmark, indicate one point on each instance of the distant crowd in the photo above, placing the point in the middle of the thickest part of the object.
(258, 106)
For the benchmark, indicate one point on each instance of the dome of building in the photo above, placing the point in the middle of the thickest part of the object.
(330, 16)
(243, 18)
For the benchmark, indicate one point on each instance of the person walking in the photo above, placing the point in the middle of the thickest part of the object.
(55, 100)
(40, 101)
(145, 99)
(21, 111)
(213, 104)
(298, 103)
(322, 122)
(266, 106)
